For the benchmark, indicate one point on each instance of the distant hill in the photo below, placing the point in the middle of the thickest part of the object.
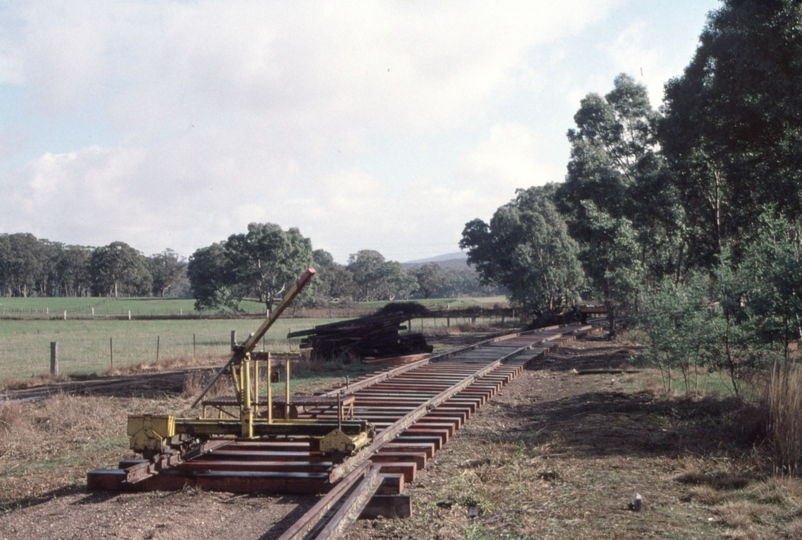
(449, 261)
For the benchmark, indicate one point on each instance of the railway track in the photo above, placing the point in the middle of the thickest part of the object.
(415, 409)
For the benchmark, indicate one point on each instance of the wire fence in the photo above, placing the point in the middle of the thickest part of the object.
(86, 347)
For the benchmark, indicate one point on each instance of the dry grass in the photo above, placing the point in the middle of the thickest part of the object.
(11, 418)
(784, 405)
(164, 364)
(50, 444)
(196, 381)
(34, 380)
(706, 495)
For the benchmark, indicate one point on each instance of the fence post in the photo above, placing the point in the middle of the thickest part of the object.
(158, 342)
(111, 352)
(129, 314)
(65, 314)
(54, 358)
(194, 350)
(233, 339)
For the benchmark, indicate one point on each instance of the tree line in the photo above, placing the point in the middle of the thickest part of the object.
(39, 267)
(264, 262)
(689, 217)
(260, 264)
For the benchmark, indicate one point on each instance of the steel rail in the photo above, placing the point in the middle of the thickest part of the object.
(336, 527)
(304, 526)
(415, 408)
(389, 433)
(352, 507)
(384, 375)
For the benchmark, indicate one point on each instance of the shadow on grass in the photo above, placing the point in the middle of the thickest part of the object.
(596, 424)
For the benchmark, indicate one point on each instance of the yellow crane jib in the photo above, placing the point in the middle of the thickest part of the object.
(154, 434)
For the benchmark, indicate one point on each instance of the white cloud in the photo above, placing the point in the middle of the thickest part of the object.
(631, 55)
(223, 113)
(78, 197)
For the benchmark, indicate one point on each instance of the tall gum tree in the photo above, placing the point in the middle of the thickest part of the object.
(268, 260)
(119, 269)
(617, 200)
(526, 248)
(733, 123)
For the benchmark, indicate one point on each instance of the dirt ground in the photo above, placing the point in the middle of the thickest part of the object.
(559, 453)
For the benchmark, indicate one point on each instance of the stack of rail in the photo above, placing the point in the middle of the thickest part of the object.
(375, 336)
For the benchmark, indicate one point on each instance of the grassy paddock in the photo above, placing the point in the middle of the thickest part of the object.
(148, 307)
(83, 346)
(84, 343)
(21, 307)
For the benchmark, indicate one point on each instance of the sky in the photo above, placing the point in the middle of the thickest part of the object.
(366, 125)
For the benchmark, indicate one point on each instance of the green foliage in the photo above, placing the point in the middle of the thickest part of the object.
(610, 257)
(733, 123)
(264, 263)
(119, 268)
(213, 279)
(526, 248)
(166, 268)
(335, 282)
(742, 319)
(19, 262)
(377, 279)
(430, 278)
(759, 294)
(679, 322)
(615, 198)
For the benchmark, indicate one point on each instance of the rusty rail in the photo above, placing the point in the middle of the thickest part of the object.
(415, 408)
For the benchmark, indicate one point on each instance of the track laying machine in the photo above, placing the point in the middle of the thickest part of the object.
(249, 414)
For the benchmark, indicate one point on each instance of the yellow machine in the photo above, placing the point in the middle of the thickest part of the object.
(254, 416)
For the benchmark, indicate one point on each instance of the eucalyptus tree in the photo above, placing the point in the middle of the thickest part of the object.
(527, 249)
(167, 268)
(73, 271)
(119, 269)
(20, 263)
(335, 282)
(617, 199)
(430, 277)
(733, 123)
(378, 279)
(268, 260)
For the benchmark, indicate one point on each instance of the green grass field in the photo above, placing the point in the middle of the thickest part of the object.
(83, 307)
(107, 306)
(84, 345)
